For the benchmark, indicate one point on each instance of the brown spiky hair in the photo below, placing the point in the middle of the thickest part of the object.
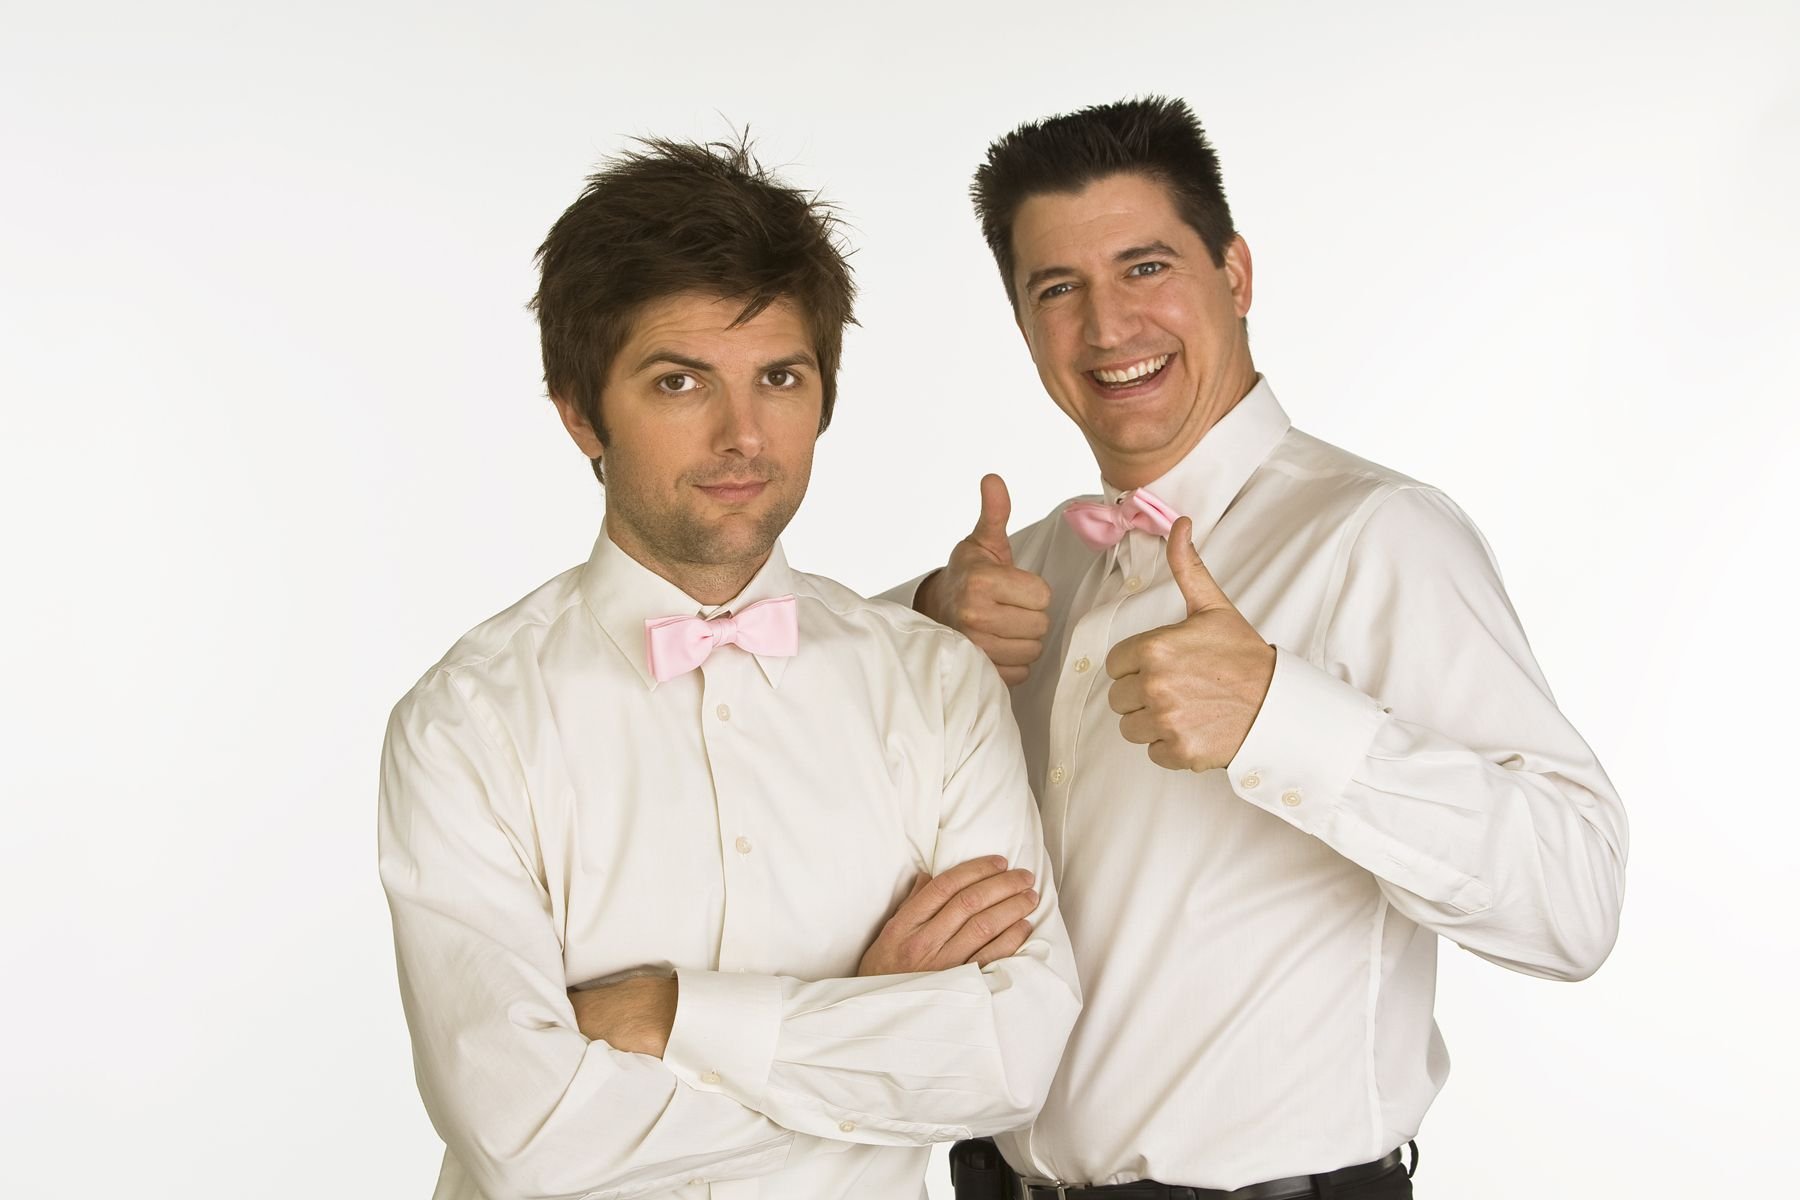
(668, 217)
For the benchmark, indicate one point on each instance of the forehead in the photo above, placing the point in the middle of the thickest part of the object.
(1073, 228)
(691, 321)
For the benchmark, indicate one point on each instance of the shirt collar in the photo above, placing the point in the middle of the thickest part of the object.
(1203, 485)
(621, 594)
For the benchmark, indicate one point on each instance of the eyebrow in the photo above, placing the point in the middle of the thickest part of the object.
(690, 363)
(792, 360)
(1044, 274)
(673, 359)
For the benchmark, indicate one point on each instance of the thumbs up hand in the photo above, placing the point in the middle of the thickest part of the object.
(1190, 691)
(1002, 609)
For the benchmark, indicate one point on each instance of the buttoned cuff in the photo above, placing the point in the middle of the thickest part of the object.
(726, 1027)
(1309, 738)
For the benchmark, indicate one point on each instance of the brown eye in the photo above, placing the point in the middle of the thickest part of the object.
(679, 381)
(781, 377)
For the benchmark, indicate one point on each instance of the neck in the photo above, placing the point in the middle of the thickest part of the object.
(707, 584)
(1137, 470)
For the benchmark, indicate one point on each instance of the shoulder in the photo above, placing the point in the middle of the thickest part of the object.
(1328, 478)
(496, 646)
(930, 652)
(842, 607)
(1370, 507)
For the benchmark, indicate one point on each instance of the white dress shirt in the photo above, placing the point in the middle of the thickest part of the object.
(551, 817)
(1258, 944)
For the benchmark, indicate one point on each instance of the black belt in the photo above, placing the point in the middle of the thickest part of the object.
(1292, 1188)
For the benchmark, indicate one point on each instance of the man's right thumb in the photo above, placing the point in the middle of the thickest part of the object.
(996, 510)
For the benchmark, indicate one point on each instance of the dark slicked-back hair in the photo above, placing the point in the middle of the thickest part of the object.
(1155, 137)
(671, 217)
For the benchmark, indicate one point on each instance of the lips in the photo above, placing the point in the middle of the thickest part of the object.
(735, 492)
(1130, 377)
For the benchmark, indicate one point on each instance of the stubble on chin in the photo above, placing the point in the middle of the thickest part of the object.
(679, 535)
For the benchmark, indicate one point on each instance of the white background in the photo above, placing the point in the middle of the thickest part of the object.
(274, 437)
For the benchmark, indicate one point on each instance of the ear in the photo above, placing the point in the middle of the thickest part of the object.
(1238, 274)
(579, 427)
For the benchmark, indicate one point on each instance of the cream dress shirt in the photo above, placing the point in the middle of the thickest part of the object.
(1258, 944)
(551, 816)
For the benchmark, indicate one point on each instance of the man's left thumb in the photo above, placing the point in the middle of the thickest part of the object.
(1196, 583)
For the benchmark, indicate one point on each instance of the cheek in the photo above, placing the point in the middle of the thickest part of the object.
(1054, 349)
(789, 433)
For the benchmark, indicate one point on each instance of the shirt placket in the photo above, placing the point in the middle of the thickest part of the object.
(1083, 668)
(727, 729)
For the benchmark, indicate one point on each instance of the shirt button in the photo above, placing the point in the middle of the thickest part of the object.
(710, 1077)
(724, 711)
(1251, 781)
(847, 1126)
(743, 845)
(1057, 774)
(1082, 664)
(1291, 797)
(1133, 584)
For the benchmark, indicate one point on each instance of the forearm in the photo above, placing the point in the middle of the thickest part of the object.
(532, 1108)
(527, 1105)
(887, 1060)
(1514, 849)
(908, 1059)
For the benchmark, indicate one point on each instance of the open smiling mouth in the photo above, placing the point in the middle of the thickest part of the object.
(1131, 375)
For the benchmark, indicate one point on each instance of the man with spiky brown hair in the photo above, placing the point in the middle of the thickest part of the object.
(1269, 783)
(710, 877)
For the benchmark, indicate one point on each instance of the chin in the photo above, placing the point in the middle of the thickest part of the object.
(740, 535)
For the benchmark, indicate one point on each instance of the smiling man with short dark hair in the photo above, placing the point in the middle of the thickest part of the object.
(1269, 783)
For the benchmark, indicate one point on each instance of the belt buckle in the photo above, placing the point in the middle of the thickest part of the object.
(1061, 1188)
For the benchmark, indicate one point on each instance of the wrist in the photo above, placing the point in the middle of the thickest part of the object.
(925, 596)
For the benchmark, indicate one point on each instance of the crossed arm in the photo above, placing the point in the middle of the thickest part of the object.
(534, 1096)
(976, 912)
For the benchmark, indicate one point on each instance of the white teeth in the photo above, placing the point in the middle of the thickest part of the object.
(1134, 371)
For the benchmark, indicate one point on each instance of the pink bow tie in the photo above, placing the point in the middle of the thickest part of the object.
(1104, 525)
(676, 645)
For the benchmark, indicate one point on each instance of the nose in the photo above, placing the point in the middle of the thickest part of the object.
(1108, 319)
(739, 428)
